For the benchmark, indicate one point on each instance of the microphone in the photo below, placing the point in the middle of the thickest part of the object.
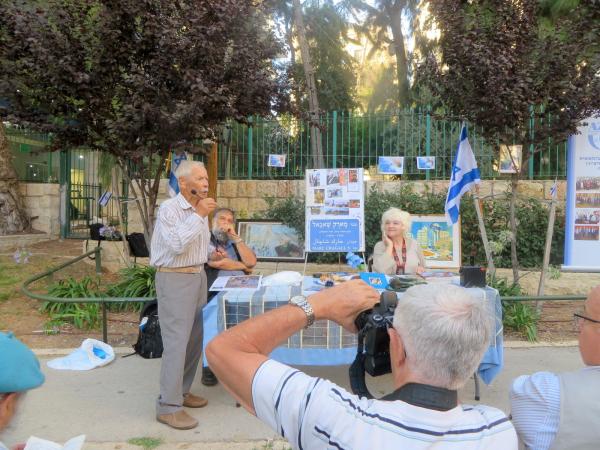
(194, 192)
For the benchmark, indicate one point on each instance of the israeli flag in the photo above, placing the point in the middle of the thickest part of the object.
(465, 175)
(175, 161)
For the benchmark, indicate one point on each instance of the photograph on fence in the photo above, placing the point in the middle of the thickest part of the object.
(276, 160)
(510, 158)
(425, 162)
(440, 242)
(271, 241)
(390, 165)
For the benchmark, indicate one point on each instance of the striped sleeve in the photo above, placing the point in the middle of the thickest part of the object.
(178, 233)
(281, 395)
(535, 408)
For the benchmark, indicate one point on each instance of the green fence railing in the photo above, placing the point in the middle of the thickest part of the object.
(25, 288)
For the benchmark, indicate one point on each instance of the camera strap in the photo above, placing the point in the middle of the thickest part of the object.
(425, 396)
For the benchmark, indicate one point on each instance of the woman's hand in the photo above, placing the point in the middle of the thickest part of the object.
(387, 241)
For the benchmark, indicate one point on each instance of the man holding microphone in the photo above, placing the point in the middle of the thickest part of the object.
(179, 250)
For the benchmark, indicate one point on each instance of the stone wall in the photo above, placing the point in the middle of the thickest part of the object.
(42, 202)
(246, 197)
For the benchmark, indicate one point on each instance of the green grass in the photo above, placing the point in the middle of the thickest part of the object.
(148, 443)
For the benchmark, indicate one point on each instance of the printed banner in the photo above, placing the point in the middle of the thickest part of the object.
(582, 234)
(335, 210)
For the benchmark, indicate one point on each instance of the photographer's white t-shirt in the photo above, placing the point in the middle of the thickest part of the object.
(313, 413)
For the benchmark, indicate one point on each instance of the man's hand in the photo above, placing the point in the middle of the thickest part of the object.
(205, 206)
(233, 236)
(217, 255)
(344, 302)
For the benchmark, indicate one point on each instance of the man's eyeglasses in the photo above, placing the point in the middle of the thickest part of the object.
(578, 321)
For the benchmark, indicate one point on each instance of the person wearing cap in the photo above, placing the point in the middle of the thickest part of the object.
(19, 372)
(562, 410)
(179, 250)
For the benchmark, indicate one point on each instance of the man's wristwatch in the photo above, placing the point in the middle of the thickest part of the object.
(301, 302)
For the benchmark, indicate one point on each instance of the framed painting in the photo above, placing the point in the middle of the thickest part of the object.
(439, 241)
(271, 240)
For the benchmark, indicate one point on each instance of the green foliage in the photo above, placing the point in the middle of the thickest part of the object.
(148, 443)
(136, 281)
(516, 316)
(505, 289)
(82, 315)
(520, 317)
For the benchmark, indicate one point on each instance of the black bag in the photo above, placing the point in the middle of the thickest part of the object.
(95, 232)
(137, 245)
(149, 343)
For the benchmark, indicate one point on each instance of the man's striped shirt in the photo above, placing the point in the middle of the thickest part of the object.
(313, 413)
(181, 236)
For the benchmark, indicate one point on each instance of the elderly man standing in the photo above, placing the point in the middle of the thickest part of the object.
(228, 256)
(438, 338)
(179, 250)
(19, 372)
(562, 411)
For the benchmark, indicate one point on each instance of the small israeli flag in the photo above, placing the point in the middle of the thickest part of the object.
(465, 175)
(175, 161)
(553, 188)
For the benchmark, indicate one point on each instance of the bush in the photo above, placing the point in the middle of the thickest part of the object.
(82, 315)
(516, 316)
(136, 281)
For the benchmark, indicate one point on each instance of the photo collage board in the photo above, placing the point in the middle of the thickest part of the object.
(335, 210)
(582, 234)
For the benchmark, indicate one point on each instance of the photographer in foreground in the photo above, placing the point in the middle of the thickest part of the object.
(439, 336)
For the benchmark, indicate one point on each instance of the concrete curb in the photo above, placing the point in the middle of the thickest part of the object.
(507, 344)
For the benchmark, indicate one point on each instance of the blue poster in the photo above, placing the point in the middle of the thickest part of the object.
(582, 232)
(334, 235)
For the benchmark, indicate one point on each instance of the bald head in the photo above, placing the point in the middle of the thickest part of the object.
(592, 304)
(589, 333)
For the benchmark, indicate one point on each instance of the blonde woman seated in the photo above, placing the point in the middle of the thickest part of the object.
(396, 253)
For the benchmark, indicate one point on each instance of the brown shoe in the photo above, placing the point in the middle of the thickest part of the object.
(179, 420)
(194, 401)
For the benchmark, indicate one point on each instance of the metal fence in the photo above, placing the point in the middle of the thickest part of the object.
(353, 140)
(348, 139)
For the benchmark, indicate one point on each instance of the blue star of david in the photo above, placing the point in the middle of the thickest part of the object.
(455, 170)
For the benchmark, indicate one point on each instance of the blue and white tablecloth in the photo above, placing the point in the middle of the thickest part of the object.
(325, 343)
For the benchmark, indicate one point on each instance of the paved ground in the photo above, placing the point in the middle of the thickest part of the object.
(114, 404)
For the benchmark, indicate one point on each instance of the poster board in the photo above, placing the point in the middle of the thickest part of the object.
(439, 241)
(582, 233)
(271, 241)
(335, 210)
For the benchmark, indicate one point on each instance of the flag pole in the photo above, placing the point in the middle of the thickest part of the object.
(483, 232)
(549, 233)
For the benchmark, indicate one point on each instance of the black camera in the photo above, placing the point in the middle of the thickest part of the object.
(373, 352)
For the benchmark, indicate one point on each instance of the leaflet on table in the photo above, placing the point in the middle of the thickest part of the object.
(235, 282)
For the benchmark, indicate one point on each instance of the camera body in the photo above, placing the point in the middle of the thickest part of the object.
(372, 327)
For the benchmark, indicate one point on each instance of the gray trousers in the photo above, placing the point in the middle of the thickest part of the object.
(181, 297)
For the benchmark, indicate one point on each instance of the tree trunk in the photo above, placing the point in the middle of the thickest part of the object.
(394, 11)
(313, 101)
(514, 183)
(13, 217)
